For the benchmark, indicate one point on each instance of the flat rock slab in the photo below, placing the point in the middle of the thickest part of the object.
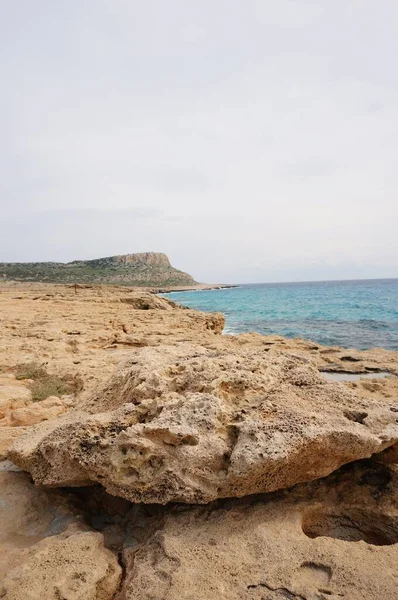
(188, 424)
(71, 566)
(46, 549)
(332, 540)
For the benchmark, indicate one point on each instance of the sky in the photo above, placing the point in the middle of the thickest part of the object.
(250, 141)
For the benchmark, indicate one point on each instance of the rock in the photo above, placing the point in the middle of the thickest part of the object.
(74, 567)
(28, 514)
(13, 394)
(9, 467)
(87, 333)
(46, 549)
(389, 456)
(17, 409)
(187, 424)
(215, 322)
(8, 435)
(147, 301)
(328, 540)
(36, 412)
(201, 417)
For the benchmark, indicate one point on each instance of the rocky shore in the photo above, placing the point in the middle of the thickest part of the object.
(145, 455)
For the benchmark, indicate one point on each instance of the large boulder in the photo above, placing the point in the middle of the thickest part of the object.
(188, 424)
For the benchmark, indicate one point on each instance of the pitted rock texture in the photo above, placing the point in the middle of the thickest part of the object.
(329, 540)
(86, 332)
(187, 424)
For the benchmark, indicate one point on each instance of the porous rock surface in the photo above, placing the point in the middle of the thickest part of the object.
(46, 549)
(18, 411)
(329, 540)
(188, 424)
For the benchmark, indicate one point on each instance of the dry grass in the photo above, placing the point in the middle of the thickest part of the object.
(30, 370)
(44, 384)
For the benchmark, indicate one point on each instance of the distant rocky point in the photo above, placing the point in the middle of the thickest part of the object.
(143, 269)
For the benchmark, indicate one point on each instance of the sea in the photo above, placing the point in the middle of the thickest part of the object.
(353, 314)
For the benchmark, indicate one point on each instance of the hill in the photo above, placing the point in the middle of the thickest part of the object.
(144, 269)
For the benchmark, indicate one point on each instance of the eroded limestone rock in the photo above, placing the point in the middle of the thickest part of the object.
(36, 412)
(188, 424)
(327, 540)
(46, 548)
(74, 567)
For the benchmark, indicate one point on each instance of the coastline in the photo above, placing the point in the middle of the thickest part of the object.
(98, 285)
(357, 314)
(194, 288)
(165, 410)
(37, 325)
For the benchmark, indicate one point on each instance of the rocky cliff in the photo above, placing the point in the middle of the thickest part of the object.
(143, 269)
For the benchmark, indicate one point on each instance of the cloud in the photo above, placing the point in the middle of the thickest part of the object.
(262, 133)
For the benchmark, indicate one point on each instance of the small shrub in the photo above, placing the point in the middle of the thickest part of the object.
(48, 386)
(30, 371)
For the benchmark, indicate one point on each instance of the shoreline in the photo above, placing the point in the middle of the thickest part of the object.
(195, 288)
(12, 283)
(337, 317)
(161, 396)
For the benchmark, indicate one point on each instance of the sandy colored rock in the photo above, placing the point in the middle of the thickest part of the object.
(28, 514)
(17, 408)
(88, 333)
(389, 456)
(8, 435)
(13, 394)
(184, 420)
(146, 301)
(45, 410)
(74, 567)
(47, 550)
(329, 540)
(192, 425)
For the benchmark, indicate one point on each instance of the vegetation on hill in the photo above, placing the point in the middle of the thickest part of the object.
(146, 269)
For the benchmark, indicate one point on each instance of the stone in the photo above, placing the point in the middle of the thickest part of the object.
(188, 424)
(46, 548)
(182, 400)
(147, 301)
(47, 409)
(8, 435)
(327, 540)
(13, 394)
(88, 333)
(74, 567)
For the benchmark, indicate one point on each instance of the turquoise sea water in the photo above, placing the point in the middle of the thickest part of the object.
(353, 314)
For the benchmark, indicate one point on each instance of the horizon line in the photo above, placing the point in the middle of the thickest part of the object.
(313, 281)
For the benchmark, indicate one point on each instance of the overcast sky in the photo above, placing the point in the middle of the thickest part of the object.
(250, 140)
